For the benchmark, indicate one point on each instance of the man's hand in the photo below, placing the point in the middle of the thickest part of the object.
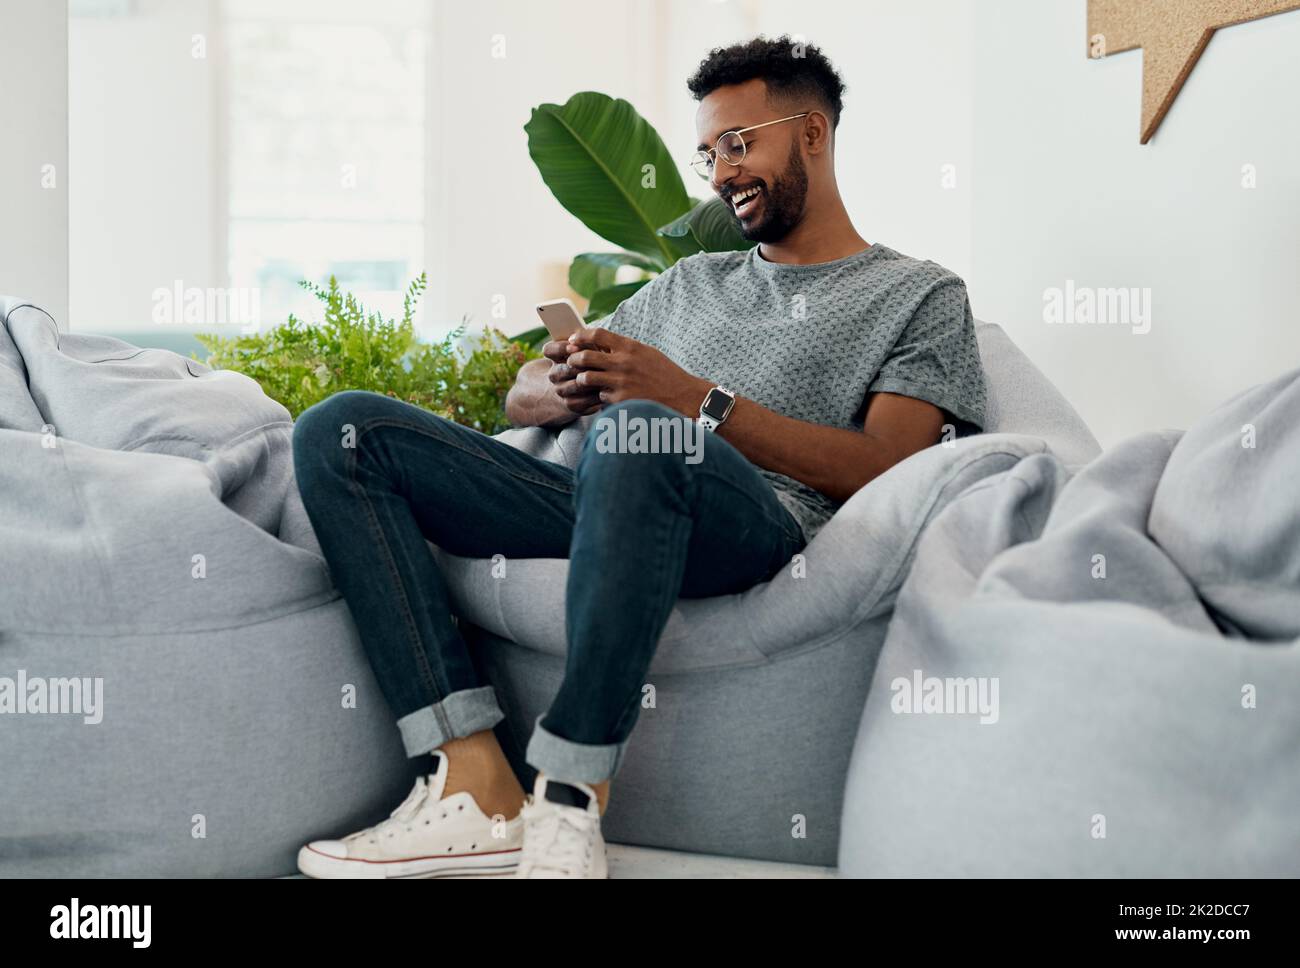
(546, 394)
(620, 368)
(578, 399)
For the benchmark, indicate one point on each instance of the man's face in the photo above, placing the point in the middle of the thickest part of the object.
(773, 163)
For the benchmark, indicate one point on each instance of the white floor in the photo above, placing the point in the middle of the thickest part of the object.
(631, 862)
(643, 862)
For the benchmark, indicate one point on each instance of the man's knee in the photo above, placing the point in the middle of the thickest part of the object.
(638, 444)
(325, 432)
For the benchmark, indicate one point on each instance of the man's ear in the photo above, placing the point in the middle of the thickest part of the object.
(816, 133)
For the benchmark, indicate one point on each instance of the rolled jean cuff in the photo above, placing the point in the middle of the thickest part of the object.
(570, 762)
(460, 714)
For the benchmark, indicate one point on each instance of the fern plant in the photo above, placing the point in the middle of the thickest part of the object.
(299, 364)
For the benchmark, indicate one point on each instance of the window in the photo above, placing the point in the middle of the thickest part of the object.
(324, 146)
(242, 145)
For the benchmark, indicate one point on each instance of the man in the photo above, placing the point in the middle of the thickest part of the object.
(817, 361)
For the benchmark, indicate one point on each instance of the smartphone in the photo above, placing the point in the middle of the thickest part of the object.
(560, 318)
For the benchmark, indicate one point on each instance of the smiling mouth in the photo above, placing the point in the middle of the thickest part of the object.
(745, 202)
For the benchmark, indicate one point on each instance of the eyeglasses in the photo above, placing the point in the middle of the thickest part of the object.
(730, 147)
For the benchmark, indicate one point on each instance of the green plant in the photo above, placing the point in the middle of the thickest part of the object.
(299, 363)
(608, 166)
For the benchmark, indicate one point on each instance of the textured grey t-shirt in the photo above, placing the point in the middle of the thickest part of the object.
(811, 341)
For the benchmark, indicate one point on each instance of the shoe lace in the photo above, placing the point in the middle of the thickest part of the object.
(405, 812)
(556, 838)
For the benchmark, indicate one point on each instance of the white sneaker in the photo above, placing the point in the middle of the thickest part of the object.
(427, 836)
(562, 832)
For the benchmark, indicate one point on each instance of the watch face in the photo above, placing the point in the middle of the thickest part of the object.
(716, 404)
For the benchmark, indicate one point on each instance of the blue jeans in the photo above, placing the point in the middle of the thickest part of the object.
(379, 477)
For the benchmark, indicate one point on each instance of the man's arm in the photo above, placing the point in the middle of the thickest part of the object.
(834, 461)
(545, 393)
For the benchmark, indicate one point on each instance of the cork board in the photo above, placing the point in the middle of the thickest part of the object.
(1172, 34)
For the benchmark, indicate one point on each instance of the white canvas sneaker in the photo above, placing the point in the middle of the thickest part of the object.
(562, 836)
(427, 836)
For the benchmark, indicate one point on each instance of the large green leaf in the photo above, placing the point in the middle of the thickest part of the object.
(593, 271)
(677, 232)
(607, 300)
(709, 227)
(534, 337)
(682, 245)
(592, 152)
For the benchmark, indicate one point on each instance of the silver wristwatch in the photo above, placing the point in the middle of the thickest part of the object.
(716, 408)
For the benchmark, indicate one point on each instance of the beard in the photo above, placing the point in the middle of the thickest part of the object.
(783, 203)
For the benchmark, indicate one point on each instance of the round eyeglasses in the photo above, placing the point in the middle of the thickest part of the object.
(730, 147)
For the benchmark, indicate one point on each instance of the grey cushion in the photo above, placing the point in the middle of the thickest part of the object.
(223, 696)
(1239, 465)
(17, 409)
(1023, 401)
(1133, 738)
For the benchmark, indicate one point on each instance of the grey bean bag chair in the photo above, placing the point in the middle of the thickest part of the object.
(194, 699)
(1141, 619)
(163, 591)
(758, 695)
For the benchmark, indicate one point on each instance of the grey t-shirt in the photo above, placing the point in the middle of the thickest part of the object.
(811, 341)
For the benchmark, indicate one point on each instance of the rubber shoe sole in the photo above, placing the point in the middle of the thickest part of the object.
(498, 863)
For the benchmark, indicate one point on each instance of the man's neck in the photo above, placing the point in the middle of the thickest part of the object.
(823, 235)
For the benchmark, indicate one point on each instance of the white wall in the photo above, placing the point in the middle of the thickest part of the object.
(907, 114)
(1063, 190)
(145, 161)
(34, 119)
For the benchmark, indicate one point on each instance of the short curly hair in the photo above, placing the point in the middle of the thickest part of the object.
(790, 68)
